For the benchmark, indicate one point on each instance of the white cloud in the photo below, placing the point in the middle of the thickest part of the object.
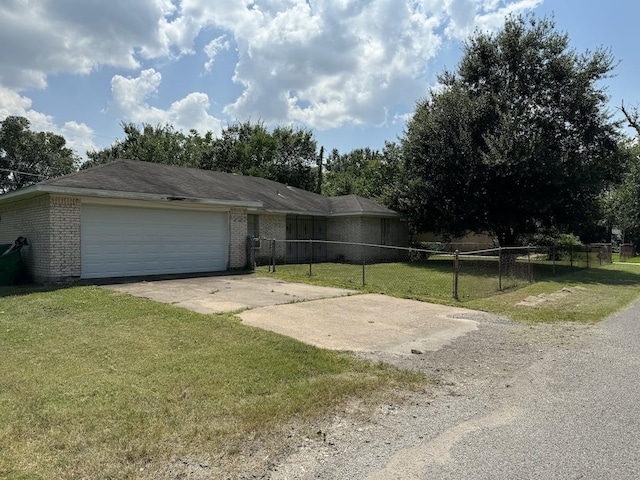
(77, 36)
(469, 15)
(328, 63)
(79, 136)
(212, 49)
(324, 63)
(131, 95)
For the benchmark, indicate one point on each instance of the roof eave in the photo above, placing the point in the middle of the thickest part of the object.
(366, 214)
(35, 190)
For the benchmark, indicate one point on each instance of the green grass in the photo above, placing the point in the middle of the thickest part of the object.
(616, 258)
(606, 289)
(430, 280)
(97, 384)
(602, 291)
(408, 280)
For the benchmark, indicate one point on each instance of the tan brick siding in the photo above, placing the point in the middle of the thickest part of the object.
(365, 230)
(65, 237)
(272, 226)
(344, 229)
(237, 238)
(29, 218)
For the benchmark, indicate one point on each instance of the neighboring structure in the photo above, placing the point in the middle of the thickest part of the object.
(130, 218)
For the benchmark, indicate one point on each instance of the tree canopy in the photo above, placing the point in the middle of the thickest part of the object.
(517, 139)
(285, 154)
(365, 172)
(28, 157)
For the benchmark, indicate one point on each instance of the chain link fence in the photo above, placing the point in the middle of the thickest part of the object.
(420, 273)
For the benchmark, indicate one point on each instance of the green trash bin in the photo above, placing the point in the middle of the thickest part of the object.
(11, 265)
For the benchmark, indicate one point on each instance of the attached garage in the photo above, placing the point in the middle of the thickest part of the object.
(121, 241)
(129, 218)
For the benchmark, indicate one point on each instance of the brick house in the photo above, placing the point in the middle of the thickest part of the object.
(130, 218)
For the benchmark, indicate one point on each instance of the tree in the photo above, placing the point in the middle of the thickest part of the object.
(284, 155)
(365, 172)
(621, 203)
(157, 144)
(632, 116)
(28, 157)
(517, 140)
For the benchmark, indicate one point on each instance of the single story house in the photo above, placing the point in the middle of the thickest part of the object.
(131, 218)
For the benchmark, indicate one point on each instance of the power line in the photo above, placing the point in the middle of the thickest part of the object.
(22, 173)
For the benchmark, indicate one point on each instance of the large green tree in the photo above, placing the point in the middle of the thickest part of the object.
(621, 202)
(284, 154)
(158, 144)
(517, 140)
(28, 157)
(369, 173)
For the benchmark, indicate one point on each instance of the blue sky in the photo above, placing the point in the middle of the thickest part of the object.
(350, 70)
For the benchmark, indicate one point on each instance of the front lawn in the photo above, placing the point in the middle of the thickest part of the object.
(97, 384)
(602, 290)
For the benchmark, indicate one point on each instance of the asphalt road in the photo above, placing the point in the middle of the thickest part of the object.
(575, 414)
(567, 407)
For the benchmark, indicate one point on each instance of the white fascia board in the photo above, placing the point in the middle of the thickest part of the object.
(85, 192)
(328, 215)
(294, 212)
(365, 214)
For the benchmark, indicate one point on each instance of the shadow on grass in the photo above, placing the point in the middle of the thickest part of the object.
(604, 276)
(20, 290)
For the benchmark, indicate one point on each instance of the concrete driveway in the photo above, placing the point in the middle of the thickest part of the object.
(366, 323)
(226, 293)
(326, 317)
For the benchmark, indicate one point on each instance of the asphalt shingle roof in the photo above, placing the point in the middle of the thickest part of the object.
(133, 176)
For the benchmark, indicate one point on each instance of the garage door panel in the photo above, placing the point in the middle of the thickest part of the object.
(125, 241)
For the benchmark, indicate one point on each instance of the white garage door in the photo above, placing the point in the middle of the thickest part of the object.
(124, 241)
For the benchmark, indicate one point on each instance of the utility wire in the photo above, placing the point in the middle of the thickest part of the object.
(22, 173)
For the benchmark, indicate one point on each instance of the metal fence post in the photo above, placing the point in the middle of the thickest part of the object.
(363, 266)
(456, 268)
(500, 269)
(587, 249)
(310, 255)
(273, 255)
(571, 256)
(553, 255)
(529, 263)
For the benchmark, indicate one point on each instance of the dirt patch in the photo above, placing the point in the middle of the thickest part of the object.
(534, 301)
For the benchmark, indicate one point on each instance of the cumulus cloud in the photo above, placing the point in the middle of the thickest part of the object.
(212, 49)
(131, 98)
(322, 63)
(41, 38)
(328, 63)
(79, 136)
(469, 15)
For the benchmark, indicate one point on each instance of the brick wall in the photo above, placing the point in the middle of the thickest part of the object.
(344, 229)
(65, 237)
(29, 218)
(52, 227)
(237, 238)
(272, 226)
(364, 230)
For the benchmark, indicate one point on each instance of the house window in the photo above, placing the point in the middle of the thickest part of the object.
(385, 231)
(253, 226)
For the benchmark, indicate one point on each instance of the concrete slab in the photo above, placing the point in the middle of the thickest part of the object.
(226, 293)
(367, 323)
